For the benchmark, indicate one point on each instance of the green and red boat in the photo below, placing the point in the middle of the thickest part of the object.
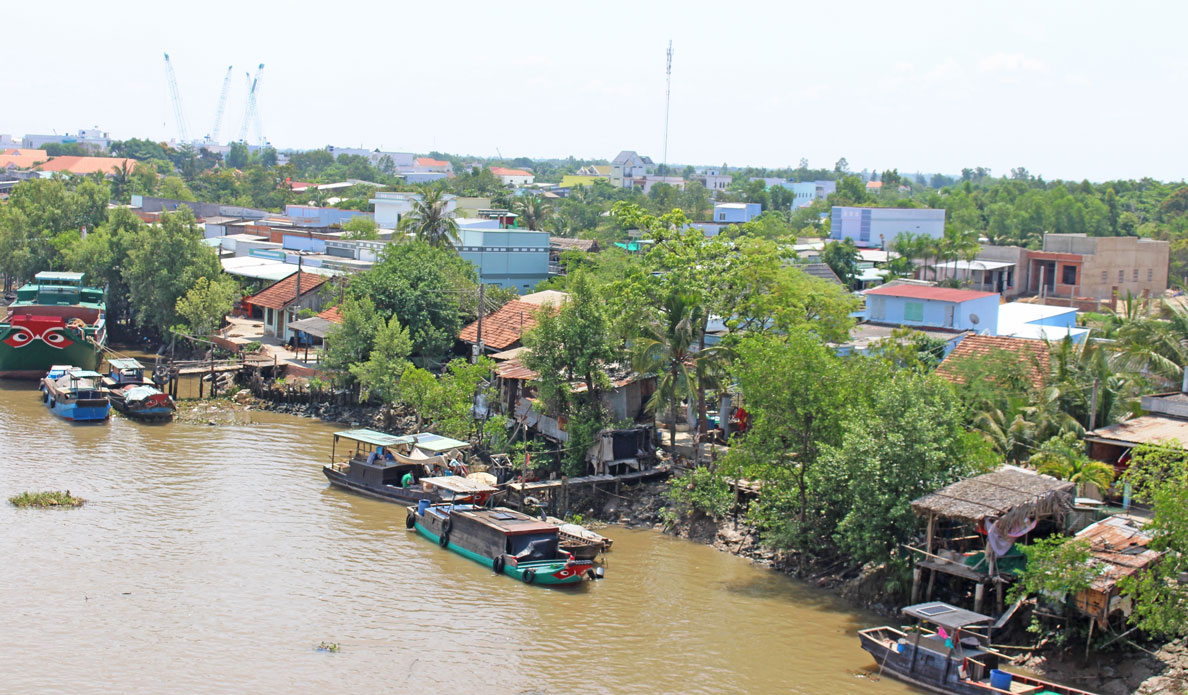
(54, 320)
(507, 541)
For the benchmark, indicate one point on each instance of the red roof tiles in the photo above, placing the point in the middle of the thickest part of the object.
(940, 294)
(87, 165)
(500, 171)
(503, 327)
(333, 314)
(1033, 354)
(282, 293)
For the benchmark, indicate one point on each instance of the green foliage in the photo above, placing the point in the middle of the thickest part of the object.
(1057, 567)
(351, 341)
(446, 403)
(45, 499)
(699, 490)
(380, 374)
(423, 287)
(163, 264)
(361, 227)
(43, 218)
(842, 257)
(429, 222)
(205, 304)
(1159, 475)
(1064, 457)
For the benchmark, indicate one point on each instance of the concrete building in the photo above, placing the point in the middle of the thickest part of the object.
(805, 193)
(879, 226)
(92, 138)
(1076, 265)
(628, 166)
(512, 258)
(279, 303)
(713, 179)
(1039, 322)
(933, 307)
(390, 206)
(513, 177)
(736, 213)
(311, 216)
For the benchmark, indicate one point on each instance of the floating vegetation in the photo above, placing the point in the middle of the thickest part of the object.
(55, 498)
(332, 647)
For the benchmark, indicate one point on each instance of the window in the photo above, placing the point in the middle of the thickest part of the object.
(721, 217)
(1150, 274)
(1068, 274)
(913, 311)
(1105, 276)
(1136, 274)
(268, 317)
(949, 311)
(1121, 276)
(877, 307)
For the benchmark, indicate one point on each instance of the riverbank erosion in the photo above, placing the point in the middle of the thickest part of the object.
(1125, 670)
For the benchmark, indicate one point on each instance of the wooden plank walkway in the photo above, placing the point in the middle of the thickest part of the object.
(540, 485)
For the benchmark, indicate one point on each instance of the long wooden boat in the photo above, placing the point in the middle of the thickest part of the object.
(54, 320)
(73, 394)
(953, 659)
(507, 541)
(135, 395)
(583, 543)
(378, 462)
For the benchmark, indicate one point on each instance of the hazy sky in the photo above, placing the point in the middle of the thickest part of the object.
(1066, 89)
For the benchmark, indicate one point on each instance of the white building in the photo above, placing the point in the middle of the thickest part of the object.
(736, 213)
(713, 179)
(513, 177)
(391, 206)
(879, 226)
(628, 166)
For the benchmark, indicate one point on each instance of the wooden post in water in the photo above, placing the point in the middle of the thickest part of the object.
(213, 386)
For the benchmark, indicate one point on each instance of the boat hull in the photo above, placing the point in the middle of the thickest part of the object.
(390, 494)
(32, 361)
(83, 411)
(544, 573)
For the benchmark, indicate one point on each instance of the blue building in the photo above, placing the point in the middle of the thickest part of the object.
(805, 193)
(878, 227)
(512, 258)
(933, 307)
(736, 213)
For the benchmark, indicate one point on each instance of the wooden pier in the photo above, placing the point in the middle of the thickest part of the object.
(558, 490)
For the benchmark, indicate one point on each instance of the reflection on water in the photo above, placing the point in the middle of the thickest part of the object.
(214, 559)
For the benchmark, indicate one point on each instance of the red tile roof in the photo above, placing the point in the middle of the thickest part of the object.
(333, 314)
(503, 327)
(430, 162)
(940, 294)
(87, 165)
(1033, 354)
(500, 171)
(282, 293)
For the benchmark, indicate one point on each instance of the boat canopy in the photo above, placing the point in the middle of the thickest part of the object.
(374, 438)
(125, 363)
(50, 277)
(945, 615)
(459, 485)
(84, 374)
(437, 443)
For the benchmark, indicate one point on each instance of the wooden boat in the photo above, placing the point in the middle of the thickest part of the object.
(55, 319)
(133, 394)
(507, 541)
(73, 394)
(378, 462)
(583, 543)
(954, 659)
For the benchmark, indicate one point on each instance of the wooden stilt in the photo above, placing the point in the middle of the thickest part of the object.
(979, 596)
(916, 575)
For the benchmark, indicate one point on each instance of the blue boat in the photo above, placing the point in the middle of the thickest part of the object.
(134, 394)
(74, 394)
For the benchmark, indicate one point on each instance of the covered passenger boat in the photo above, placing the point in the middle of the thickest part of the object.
(73, 394)
(134, 394)
(507, 541)
(949, 652)
(392, 467)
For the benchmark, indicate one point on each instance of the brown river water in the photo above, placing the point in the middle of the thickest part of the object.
(214, 559)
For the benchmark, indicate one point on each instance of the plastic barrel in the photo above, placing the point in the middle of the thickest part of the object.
(1000, 679)
(422, 507)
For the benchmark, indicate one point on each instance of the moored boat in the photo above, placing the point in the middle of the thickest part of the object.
(74, 394)
(507, 541)
(391, 467)
(954, 658)
(54, 320)
(135, 395)
(583, 543)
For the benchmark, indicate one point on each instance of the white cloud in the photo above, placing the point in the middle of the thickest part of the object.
(1077, 78)
(1011, 62)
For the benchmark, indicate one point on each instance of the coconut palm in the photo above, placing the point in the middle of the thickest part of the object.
(665, 346)
(1064, 457)
(533, 211)
(429, 222)
(1154, 347)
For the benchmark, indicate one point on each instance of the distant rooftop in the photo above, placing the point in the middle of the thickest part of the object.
(940, 294)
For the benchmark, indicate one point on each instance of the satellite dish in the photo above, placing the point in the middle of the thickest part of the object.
(973, 318)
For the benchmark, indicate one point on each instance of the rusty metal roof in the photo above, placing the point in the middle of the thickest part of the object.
(1145, 429)
(1119, 547)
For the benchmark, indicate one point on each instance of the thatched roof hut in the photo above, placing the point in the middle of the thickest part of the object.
(1009, 493)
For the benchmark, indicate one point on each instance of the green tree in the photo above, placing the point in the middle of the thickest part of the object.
(842, 257)
(361, 227)
(665, 346)
(238, 156)
(164, 263)
(534, 211)
(1056, 567)
(429, 222)
(205, 305)
(350, 342)
(380, 374)
(174, 187)
(1064, 457)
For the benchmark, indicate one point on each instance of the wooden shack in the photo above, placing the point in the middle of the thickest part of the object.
(969, 519)
(1119, 549)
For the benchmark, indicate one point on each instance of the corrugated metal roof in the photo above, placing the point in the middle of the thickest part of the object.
(1118, 544)
(1145, 429)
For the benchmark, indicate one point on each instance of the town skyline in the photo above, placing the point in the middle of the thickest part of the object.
(1066, 91)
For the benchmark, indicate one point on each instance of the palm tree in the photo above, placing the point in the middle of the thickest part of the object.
(429, 222)
(665, 347)
(1150, 346)
(1064, 457)
(533, 211)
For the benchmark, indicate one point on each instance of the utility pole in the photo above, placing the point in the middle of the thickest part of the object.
(1093, 406)
(478, 342)
(667, 100)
